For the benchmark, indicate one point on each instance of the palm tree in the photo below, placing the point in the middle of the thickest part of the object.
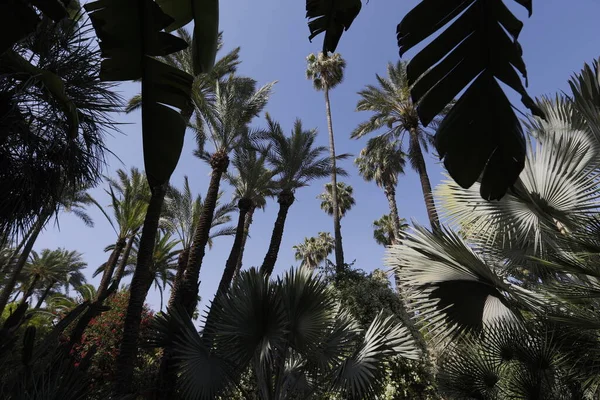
(295, 161)
(385, 231)
(252, 184)
(71, 264)
(46, 268)
(395, 112)
(314, 250)
(130, 195)
(326, 72)
(382, 161)
(313, 345)
(74, 201)
(236, 103)
(345, 199)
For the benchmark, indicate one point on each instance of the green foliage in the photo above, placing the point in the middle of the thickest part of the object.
(345, 198)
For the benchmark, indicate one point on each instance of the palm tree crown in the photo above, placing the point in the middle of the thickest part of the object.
(381, 161)
(345, 198)
(314, 250)
(384, 230)
(325, 71)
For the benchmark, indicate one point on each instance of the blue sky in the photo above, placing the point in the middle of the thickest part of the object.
(557, 40)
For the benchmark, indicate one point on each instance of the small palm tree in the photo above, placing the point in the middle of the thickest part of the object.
(394, 111)
(295, 161)
(314, 250)
(385, 231)
(252, 184)
(326, 72)
(345, 199)
(45, 268)
(236, 103)
(312, 345)
(382, 161)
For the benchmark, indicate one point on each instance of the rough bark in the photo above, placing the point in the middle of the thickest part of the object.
(247, 223)
(337, 229)
(181, 264)
(187, 291)
(421, 167)
(244, 206)
(285, 200)
(140, 284)
(110, 267)
(390, 194)
(45, 294)
(9, 286)
(123, 264)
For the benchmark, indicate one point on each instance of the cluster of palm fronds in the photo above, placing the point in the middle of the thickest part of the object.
(514, 299)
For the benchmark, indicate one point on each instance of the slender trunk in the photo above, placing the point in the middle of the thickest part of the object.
(244, 205)
(187, 291)
(419, 162)
(110, 267)
(30, 289)
(6, 268)
(337, 230)
(123, 264)
(247, 223)
(140, 284)
(181, 264)
(21, 261)
(390, 194)
(45, 294)
(16, 296)
(285, 200)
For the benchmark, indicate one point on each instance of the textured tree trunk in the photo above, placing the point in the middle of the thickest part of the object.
(30, 289)
(244, 205)
(425, 184)
(247, 223)
(390, 194)
(187, 291)
(181, 264)
(140, 284)
(110, 267)
(285, 200)
(123, 264)
(45, 294)
(337, 230)
(21, 261)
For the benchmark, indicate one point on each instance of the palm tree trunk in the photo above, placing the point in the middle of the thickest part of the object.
(337, 230)
(390, 194)
(15, 254)
(244, 205)
(45, 294)
(419, 162)
(123, 264)
(21, 261)
(16, 296)
(187, 290)
(181, 264)
(30, 289)
(110, 267)
(247, 223)
(285, 200)
(140, 284)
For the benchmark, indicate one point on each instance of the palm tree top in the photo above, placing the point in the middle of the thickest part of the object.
(295, 159)
(381, 161)
(325, 72)
(345, 194)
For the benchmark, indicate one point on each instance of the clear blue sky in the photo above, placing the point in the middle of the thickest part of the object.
(557, 40)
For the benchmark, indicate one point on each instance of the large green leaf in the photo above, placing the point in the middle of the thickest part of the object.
(479, 46)
(332, 17)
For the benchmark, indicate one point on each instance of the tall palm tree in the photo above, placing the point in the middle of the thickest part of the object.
(296, 161)
(129, 195)
(385, 231)
(72, 266)
(314, 250)
(74, 201)
(394, 111)
(382, 161)
(252, 184)
(345, 199)
(237, 102)
(326, 72)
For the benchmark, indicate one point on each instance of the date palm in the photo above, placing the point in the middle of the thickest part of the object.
(314, 250)
(382, 161)
(345, 199)
(72, 266)
(296, 161)
(326, 72)
(396, 114)
(252, 184)
(237, 102)
(385, 231)
(45, 268)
